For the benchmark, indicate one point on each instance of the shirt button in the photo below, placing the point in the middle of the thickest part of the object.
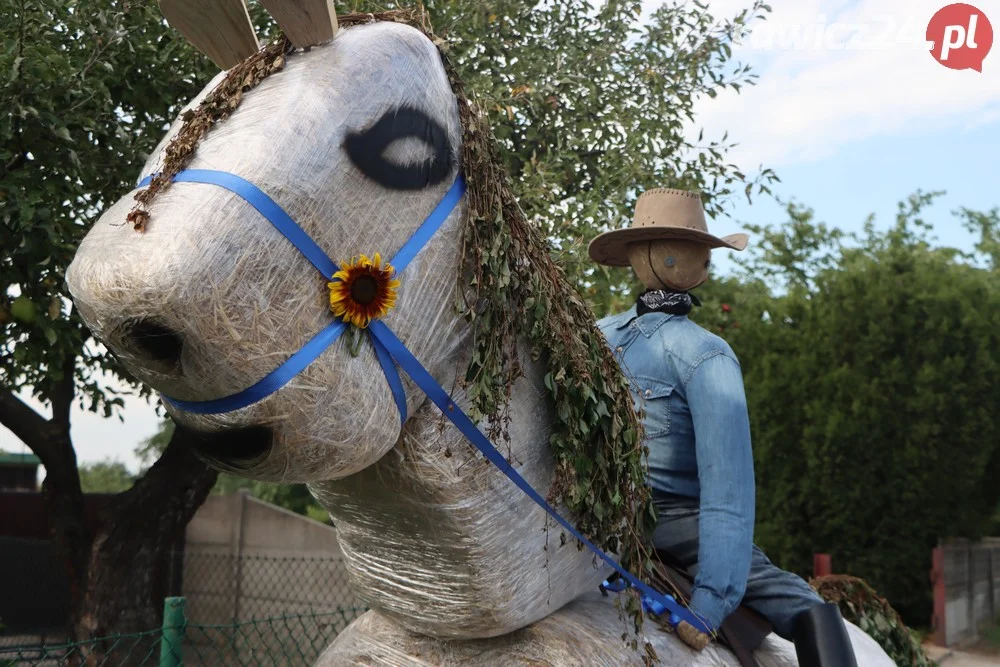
(618, 349)
(648, 393)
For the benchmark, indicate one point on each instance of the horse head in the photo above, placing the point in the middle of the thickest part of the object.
(357, 140)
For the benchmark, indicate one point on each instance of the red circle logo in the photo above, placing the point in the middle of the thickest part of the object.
(962, 37)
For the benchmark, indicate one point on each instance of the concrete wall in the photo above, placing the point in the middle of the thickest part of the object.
(245, 558)
(240, 521)
(966, 591)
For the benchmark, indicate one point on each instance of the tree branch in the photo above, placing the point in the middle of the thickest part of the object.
(15, 162)
(194, 484)
(130, 559)
(30, 427)
(63, 392)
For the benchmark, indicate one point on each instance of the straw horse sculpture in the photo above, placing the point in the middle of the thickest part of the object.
(357, 140)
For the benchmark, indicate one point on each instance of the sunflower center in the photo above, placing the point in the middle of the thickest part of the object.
(364, 289)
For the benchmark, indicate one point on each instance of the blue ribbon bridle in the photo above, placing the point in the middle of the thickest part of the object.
(390, 351)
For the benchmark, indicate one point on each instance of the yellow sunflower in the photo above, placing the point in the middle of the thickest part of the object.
(363, 290)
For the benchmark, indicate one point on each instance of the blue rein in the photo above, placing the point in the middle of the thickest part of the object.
(390, 351)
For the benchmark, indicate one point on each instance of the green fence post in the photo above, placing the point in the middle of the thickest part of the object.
(174, 625)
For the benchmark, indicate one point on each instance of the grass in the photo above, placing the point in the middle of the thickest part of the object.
(991, 637)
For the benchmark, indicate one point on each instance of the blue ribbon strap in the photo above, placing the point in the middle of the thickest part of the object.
(399, 262)
(392, 377)
(443, 401)
(274, 380)
(277, 216)
(389, 349)
(430, 226)
(264, 205)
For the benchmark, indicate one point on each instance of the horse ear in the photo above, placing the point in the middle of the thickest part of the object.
(220, 29)
(304, 22)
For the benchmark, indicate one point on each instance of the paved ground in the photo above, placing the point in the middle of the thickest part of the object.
(950, 658)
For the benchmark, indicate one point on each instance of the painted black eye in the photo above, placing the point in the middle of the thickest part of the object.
(367, 150)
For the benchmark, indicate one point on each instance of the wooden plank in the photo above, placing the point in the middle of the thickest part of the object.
(939, 629)
(221, 29)
(305, 22)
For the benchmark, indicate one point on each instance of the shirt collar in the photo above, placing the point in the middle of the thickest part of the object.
(626, 317)
(647, 324)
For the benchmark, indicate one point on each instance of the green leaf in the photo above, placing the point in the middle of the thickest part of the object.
(23, 309)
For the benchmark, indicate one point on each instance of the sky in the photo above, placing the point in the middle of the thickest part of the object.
(854, 114)
(851, 111)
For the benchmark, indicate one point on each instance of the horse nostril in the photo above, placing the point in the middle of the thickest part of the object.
(153, 340)
(236, 447)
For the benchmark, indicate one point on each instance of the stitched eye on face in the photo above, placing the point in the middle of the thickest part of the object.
(396, 132)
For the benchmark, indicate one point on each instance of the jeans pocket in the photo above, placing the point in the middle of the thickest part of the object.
(669, 506)
(652, 398)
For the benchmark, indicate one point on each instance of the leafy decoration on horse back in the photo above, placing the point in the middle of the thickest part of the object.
(861, 605)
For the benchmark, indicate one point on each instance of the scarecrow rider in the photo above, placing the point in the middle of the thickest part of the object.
(688, 383)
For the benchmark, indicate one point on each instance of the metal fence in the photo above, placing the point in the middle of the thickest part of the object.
(224, 588)
(224, 594)
(966, 579)
(296, 639)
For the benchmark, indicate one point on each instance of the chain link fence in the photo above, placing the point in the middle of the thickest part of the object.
(244, 609)
(296, 639)
(224, 588)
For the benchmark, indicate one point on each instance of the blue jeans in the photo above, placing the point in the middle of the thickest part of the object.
(777, 595)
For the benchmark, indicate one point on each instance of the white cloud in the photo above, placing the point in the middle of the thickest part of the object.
(835, 73)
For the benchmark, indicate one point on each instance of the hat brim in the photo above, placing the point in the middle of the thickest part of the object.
(611, 248)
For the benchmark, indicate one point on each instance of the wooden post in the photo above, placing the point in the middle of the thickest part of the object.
(939, 633)
(822, 565)
(243, 494)
(173, 632)
(221, 29)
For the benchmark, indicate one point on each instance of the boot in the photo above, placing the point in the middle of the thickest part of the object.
(821, 638)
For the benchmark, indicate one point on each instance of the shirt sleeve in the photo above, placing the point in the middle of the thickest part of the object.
(716, 398)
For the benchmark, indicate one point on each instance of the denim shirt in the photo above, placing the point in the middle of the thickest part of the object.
(688, 384)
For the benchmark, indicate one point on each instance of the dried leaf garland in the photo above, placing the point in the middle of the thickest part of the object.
(217, 105)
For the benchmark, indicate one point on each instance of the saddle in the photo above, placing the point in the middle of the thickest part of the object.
(742, 632)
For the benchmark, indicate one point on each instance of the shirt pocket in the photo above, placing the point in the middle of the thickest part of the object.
(653, 400)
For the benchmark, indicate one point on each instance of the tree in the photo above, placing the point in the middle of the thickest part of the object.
(88, 88)
(592, 106)
(589, 109)
(292, 497)
(871, 385)
(105, 477)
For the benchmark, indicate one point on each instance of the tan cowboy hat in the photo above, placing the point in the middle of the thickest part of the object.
(661, 214)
